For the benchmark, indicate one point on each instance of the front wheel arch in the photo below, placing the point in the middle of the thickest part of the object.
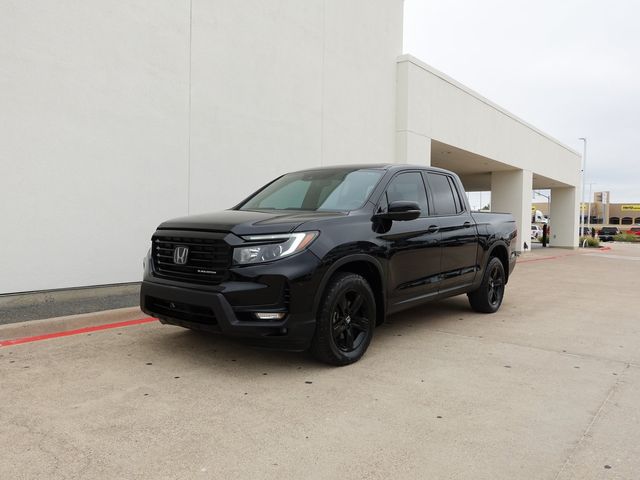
(368, 268)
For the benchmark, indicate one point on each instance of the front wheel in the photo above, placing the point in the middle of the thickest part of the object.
(345, 321)
(488, 297)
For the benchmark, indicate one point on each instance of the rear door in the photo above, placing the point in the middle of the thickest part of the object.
(459, 234)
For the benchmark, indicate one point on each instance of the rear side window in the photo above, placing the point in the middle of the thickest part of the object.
(456, 196)
(446, 200)
(408, 187)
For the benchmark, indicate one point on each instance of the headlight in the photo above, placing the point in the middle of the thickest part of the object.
(271, 247)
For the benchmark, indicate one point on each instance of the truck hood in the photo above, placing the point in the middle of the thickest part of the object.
(246, 222)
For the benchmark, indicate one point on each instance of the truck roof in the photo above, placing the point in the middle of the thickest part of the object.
(375, 166)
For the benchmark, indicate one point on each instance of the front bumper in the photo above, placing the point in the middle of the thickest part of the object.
(287, 286)
(212, 312)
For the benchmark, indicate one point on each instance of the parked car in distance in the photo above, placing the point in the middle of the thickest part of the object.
(539, 217)
(634, 231)
(607, 234)
(536, 231)
(584, 231)
(317, 259)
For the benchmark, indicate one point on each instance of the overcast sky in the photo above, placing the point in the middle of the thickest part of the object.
(570, 67)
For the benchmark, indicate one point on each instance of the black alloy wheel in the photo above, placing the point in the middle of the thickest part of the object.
(488, 297)
(496, 285)
(346, 320)
(351, 321)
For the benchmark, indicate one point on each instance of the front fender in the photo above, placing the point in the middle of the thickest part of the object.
(339, 265)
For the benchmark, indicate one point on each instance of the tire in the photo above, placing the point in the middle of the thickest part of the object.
(488, 297)
(346, 319)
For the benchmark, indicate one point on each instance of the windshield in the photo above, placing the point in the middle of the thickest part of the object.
(333, 190)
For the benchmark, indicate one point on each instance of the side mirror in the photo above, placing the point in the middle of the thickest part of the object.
(400, 211)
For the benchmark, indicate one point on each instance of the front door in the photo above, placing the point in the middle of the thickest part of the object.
(413, 246)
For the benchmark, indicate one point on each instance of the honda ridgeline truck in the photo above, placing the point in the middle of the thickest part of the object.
(317, 259)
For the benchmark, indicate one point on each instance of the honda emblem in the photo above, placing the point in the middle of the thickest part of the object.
(180, 254)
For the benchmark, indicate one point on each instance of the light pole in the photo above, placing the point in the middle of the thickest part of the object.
(584, 177)
(589, 200)
(548, 197)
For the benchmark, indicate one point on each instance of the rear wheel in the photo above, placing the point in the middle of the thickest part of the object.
(488, 297)
(346, 320)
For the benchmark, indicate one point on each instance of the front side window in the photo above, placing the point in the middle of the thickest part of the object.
(319, 190)
(408, 187)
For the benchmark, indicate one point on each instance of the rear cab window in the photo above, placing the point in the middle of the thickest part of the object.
(444, 193)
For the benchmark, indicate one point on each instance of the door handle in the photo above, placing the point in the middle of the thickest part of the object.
(467, 224)
(432, 229)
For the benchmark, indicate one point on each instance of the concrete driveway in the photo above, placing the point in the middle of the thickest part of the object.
(547, 388)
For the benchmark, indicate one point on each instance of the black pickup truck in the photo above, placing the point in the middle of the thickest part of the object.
(316, 259)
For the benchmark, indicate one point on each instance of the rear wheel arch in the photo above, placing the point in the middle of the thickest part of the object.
(501, 252)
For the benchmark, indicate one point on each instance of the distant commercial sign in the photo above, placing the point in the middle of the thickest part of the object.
(601, 197)
(631, 208)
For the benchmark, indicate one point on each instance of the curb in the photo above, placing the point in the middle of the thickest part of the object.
(30, 299)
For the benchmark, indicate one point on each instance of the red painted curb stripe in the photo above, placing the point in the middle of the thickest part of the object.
(542, 258)
(601, 249)
(95, 328)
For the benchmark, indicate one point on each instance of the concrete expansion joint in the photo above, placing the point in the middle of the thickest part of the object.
(594, 418)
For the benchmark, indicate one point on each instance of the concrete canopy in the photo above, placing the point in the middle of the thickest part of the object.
(475, 170)
(443, 123)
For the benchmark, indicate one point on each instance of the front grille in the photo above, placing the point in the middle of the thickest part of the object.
(181, 311)
(208, 259)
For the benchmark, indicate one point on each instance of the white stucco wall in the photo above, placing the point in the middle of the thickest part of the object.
(115, 116)
(93, 137)
(291, 85)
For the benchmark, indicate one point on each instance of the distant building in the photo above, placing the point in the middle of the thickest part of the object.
(602, 211)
